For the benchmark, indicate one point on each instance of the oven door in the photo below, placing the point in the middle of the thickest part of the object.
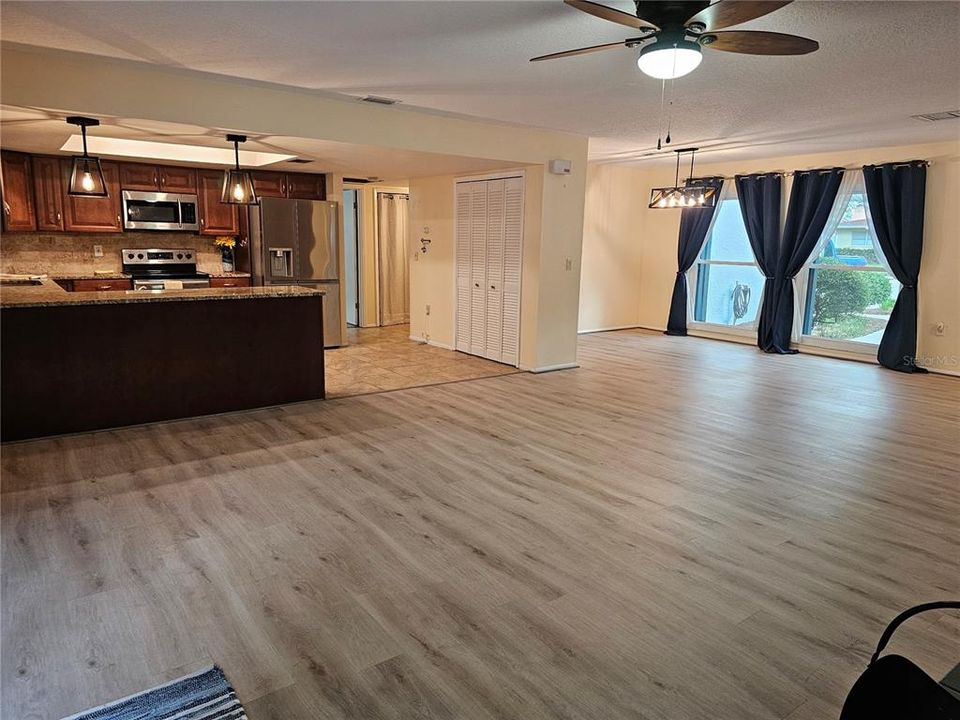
(159, 211)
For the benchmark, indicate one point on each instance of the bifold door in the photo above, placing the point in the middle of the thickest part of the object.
(489, 230)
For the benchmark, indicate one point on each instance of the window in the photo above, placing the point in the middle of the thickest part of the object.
(849, 292)
(728, 281)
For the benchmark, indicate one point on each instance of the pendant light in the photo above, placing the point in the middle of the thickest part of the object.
(86, 177)
(691, 195)
(237, 183)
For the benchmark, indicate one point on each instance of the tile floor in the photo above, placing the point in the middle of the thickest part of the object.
(385, 358)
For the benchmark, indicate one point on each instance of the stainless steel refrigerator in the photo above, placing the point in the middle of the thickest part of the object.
(295, 242)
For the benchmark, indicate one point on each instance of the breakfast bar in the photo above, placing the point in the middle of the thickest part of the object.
(79, 361)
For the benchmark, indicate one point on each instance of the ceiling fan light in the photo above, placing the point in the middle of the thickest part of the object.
(665, 62)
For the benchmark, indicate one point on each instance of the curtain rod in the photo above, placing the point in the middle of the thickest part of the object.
(925, 163)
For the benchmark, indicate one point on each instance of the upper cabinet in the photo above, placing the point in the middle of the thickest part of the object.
(303, 186)
(300, 186)
(216, 218)
(48, 192)
(158, 178)
(92, 214)
(17, 173)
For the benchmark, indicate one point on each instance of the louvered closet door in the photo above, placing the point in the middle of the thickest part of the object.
(512, 246)
(494, 285)
(464, 208)
(478, 269)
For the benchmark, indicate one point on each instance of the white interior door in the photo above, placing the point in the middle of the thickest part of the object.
(488, 236)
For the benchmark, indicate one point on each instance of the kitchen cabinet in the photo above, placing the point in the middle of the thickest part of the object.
(158, 178)
(303, 186)
(224, 282)
(18, 210)
(48, 192)
(92, 214)
(269, 184)
(93, 285)
(300, 186)
(216, 218)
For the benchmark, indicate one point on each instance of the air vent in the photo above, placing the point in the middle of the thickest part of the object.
(934, 117)
(377, 100)
(300, 161)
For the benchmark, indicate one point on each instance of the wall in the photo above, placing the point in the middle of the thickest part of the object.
(64, 254)
(656, 232)
(432, 274)
(104, 87)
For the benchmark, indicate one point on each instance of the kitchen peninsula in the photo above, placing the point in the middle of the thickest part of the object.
(78, 361)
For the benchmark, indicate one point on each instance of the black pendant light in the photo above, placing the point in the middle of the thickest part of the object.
(692, 194)
(86, 178)
(237, 183)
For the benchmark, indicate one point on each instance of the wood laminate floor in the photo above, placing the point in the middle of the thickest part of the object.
(385, 358)
(681, 528)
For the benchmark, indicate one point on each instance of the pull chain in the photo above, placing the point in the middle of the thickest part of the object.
(663, 88)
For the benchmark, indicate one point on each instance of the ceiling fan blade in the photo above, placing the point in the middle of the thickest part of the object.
(607, 13)
(579, 51)
(733, 12)
(757, 42)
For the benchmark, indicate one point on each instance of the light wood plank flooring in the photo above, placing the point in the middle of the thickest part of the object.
(385, 358)
(682, 528)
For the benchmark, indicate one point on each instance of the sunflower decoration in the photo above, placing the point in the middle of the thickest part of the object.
(226, 244)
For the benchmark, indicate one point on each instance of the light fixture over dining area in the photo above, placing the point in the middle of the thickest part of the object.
(691, 195)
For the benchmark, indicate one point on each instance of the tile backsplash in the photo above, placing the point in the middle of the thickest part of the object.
(66, 254)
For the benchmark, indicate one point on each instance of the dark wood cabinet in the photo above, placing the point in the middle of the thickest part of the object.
(158, 178)
(306, 187)
(216, 218)
(93, 214)
(48, 193)
(178, 180)
(88, 285)
(18, 210)
(135, 176)
(224, 282)
(269, 184)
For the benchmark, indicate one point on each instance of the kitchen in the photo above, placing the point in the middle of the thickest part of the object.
(114, 279)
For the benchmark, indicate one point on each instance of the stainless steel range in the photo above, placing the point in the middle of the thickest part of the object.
(159, 269)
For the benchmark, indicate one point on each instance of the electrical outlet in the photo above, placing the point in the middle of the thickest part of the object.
(939, 329)
(98, 250)
(428, 309)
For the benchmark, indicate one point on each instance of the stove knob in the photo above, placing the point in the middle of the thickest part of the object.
(139, 256)
(180, 256)
(130, 256)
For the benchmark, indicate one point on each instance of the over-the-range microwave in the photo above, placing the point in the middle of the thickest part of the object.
(159, 211)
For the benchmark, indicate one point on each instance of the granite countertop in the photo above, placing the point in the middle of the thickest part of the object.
(49, 294)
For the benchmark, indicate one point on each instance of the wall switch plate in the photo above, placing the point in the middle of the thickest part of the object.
(98, 250)
(568, 263)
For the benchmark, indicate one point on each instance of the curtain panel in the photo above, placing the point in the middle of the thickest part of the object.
(694, 225)
(812, 200)
(393, 258)
(759, 197)
(896, 194)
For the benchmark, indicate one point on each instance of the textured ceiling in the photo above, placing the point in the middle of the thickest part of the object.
(879, 63)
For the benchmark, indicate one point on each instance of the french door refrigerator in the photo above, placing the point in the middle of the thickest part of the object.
(295, 242)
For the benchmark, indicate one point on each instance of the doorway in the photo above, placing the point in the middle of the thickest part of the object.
(351, 253)
(392, 258)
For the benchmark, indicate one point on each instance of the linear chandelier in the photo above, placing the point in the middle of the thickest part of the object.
(689, 195)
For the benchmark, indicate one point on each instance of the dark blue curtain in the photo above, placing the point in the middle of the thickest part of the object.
(896, 193)
(759, 197)
(694, 223)
(811, 200)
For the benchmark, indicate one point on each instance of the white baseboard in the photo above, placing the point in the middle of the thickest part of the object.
(941, 371)
(608, 329)
(432, 342)
(551, 368)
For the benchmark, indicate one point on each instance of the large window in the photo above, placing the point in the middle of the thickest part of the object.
(849, 293)
(728, 282)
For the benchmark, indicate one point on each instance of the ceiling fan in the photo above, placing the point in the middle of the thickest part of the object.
(679, 28)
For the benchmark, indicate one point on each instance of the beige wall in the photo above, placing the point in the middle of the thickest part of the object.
(114, 88)
(656, 233)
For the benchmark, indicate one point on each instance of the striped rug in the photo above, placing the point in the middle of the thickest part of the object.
(205, 695)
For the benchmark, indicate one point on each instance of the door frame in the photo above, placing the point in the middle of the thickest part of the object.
(502, 175)
(358, 198)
